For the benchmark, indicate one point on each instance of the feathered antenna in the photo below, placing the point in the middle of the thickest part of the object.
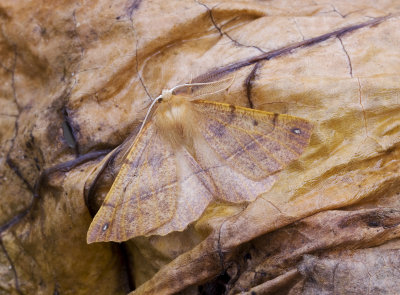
(168, 92)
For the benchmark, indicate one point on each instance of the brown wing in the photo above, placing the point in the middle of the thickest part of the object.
(142, 196)
(249, 145)
(196, 190)
(157, 190)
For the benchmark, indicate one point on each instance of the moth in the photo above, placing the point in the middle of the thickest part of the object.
(189, 153)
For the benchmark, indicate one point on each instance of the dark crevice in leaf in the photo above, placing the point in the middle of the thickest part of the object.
(14, 220)
(223, 71)
(63, 167)
(56, 292)
(17, 288)
(247, 257)
(219, 250)
(17, 171)
(89, 193)
(347, 55)
(10, 162)
(337, 11)
(131, 6)
(249, 83)
(12, 72)
(215, 287)
(298, 29)
(137, 67)
(30, 145)
(218, 28)
(126, 266)
(234, 275)
(384, 218)
(69, 132)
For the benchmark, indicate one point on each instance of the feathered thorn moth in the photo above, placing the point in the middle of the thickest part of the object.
(189, 153)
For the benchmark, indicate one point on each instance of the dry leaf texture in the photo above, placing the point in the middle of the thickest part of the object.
(77, 78)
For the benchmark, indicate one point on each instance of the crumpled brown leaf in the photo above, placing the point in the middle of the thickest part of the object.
(76, 80)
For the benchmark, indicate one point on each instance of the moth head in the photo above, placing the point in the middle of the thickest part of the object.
(166, 95)
(175, 119)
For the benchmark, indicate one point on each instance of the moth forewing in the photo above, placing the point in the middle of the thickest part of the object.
(141, 197)
(255, 143)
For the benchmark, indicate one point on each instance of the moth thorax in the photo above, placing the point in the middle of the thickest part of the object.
(175, 119)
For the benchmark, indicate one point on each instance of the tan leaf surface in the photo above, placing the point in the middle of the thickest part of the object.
(77, 78)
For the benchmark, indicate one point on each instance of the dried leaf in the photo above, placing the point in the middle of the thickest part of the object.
(76, 83)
